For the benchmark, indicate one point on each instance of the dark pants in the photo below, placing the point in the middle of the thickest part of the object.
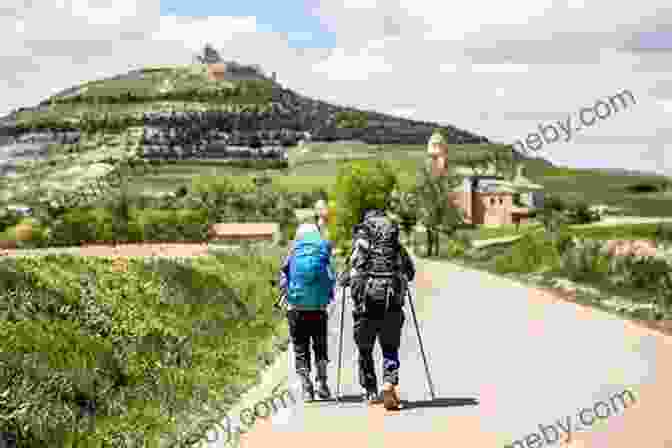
(305, 326)
(385, 326)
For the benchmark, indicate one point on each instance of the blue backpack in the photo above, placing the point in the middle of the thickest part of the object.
(310, 277)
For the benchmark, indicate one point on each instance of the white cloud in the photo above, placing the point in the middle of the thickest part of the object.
(352, 67)
(112, 14)
(500, 68)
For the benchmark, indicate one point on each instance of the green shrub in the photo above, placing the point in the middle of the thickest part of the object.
(8, 218)
(192, 225)
(643, 187)
(158, 225)
(555, 203)
(75, 227)
(564, 241)
(143, 347)
(39, 234)
(637, 272)
(529, 254)
(586, 260)
(664, 232)
(454, 248)
(581, 213)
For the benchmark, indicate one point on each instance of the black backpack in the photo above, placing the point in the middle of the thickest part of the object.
(381, 286)
(384, 246)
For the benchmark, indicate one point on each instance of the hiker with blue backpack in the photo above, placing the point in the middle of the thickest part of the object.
(307, 281)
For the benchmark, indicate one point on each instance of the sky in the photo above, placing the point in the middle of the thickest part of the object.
(499, 69)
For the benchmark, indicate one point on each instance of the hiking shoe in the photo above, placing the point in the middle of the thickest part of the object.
(372, 396)
(323, 390)
(391, 399)
(308, 392)
(321, 380)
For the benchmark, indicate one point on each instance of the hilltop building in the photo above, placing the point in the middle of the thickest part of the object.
(233, 71)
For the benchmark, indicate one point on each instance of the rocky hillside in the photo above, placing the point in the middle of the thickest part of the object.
(183, 113)
(182, 104)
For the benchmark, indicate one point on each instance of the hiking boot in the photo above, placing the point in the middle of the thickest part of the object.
(391, 399)
(308, 392)
(372, 396)
(321, 379)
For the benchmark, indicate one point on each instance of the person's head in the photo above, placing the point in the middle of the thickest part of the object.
(306, 229)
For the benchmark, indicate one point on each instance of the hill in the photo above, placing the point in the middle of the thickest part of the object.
(183, 113)
(235, 125)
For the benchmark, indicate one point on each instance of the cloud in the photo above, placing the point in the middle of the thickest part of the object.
(501, 71)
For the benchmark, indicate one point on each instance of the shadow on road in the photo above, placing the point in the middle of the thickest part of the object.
(436, 403)
(439, 403)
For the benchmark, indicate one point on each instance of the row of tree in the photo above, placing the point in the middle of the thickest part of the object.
(245, 92)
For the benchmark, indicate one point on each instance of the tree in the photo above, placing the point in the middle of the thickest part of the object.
(359, 186)
(438, 214)
(404, 204)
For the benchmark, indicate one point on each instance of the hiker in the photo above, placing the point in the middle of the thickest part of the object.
(380, 269)
(321, 215)
(307, 282)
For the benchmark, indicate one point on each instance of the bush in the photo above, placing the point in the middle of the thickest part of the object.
(664, 232)
(28, 233)
(88, 225)
(159, 225)
(555, 203)
(643, 188)
(76, 227)
(455, 248)
(638, 272)
(138, 345)
(581, 213)
(8, 218)
(529, 254)
(586, 260)
(564, 241)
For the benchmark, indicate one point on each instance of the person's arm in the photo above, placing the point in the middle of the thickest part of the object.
(358, 257)
(331, 272)
(284, 273)
(407, 265)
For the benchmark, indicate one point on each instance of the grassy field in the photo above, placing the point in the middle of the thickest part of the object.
(314, 165)
(318, 164)
(596, 187)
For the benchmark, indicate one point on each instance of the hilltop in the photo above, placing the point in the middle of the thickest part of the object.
(201, 111)
(261, 103)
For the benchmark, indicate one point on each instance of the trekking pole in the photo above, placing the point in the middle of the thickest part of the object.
(422, 350)
(340, 347)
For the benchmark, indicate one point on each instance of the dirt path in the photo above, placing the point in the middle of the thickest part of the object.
(527, 357)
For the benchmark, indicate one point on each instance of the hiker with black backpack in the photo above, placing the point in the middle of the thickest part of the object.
(380, 269)
(307, 281)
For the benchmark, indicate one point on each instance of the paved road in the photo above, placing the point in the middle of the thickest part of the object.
(527, 358)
